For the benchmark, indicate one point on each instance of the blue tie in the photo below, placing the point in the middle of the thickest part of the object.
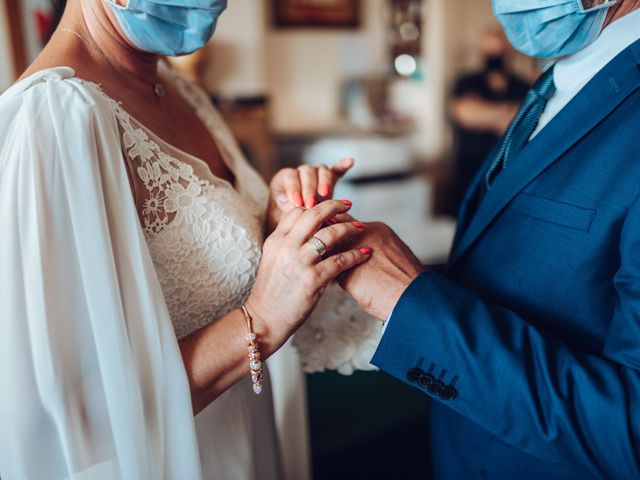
(523, 125)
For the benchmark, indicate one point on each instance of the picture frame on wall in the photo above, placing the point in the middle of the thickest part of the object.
(316, 13)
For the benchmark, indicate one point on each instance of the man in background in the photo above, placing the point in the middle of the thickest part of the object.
(483, 105)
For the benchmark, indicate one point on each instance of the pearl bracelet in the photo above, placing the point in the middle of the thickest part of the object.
(255, 365)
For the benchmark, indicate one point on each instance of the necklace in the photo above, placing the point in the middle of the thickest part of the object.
(158, 87)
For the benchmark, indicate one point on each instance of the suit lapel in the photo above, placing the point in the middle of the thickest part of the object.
(598, 98)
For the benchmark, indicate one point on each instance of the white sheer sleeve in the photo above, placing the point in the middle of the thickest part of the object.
(92, 385)
(339, 335)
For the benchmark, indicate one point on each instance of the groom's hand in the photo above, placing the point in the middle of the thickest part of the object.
(378, 284)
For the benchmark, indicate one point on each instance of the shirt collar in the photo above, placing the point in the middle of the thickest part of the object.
(575, 71)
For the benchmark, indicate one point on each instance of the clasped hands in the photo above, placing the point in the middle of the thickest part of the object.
(377, 284)
(371, 263)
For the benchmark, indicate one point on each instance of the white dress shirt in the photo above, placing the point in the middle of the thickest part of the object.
(572, 73)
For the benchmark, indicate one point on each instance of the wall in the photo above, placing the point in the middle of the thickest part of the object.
(306, 68)
(302, 70)
(475, 17)
(236, 57)
(6, 66)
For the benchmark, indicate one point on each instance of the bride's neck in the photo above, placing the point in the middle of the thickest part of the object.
(94, 22)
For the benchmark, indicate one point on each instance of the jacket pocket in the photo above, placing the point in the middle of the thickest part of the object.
(553, 211)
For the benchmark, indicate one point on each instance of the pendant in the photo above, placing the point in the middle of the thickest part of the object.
(159, 90)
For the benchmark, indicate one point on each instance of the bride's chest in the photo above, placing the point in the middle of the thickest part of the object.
(207, 257)
(188, 130)
(207, 251)
(211, 223)
(204, 233)
(205, 236)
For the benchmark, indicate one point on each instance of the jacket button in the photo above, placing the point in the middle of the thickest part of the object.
(435, 387)
(414, 374)
(448, 393)
(425, 380)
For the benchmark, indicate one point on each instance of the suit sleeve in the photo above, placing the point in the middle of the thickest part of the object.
(555, 403)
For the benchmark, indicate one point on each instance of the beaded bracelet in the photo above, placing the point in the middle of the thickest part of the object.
(255, 365)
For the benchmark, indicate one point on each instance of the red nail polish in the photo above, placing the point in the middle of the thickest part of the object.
(324, 189)
(366, 250)
(311, 201)
(348, 203)
(297, 199)
(359, 224)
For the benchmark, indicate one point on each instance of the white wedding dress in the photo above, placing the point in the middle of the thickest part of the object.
(190, 259)
(205, 238)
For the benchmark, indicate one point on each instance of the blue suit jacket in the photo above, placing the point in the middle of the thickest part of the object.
(535, 327)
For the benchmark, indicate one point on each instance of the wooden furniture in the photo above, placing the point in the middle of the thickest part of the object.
(16, 35)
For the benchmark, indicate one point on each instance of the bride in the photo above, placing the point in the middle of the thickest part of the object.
(134, 279)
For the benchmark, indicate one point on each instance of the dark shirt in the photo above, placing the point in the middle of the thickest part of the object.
(473, 146)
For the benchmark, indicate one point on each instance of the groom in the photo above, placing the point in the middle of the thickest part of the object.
(529, 343)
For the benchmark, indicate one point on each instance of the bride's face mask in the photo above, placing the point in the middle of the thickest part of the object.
(168, 27)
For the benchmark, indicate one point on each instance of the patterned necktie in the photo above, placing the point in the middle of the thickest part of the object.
(523, 125)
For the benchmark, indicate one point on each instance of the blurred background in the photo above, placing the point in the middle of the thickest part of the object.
(417, 91)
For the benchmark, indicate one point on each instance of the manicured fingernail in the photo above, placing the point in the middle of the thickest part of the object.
(348, 203)
(359, 224)
(310, 201)
(324, 189)
(297, 199)
(366, 250)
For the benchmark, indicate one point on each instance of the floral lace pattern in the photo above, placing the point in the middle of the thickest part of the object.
(204, 236)
(339, 335)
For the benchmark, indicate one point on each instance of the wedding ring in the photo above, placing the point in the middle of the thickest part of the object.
(318, 245)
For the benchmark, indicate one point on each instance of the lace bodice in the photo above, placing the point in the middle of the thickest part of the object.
(339, 336)
(205, 236)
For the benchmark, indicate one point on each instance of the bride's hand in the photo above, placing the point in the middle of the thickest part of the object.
(303, 187)
(292, 275)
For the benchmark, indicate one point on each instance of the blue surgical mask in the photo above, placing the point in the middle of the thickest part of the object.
(551, 28)
(169, 27)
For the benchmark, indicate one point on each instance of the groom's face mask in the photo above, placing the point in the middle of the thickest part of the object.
(551, 28)
(168, 27)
